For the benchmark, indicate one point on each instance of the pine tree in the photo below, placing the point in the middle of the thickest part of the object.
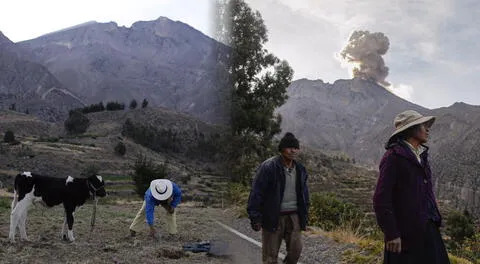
(133, 104)
(144, 103)
(259, 81)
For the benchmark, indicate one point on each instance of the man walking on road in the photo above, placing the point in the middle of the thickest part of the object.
(278, 202)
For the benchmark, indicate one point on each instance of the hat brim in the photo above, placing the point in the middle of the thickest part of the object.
(427, 120)
(157, 194)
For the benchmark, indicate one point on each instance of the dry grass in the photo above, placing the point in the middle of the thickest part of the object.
(346, 234)
(110, 241)
(458, 260)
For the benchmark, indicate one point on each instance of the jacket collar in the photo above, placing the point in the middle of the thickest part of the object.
(402, 149)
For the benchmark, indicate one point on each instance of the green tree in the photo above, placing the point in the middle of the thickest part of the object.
(144, 103)
(133, 104)
(76, 122)
(114, 106)
(120, 148)
(259, 81)
(9, 137)
(144, 171)
(460, 226)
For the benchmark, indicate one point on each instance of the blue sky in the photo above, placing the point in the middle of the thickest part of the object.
(433, 56)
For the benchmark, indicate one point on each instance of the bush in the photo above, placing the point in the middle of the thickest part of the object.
(113, 106)
(144, 171)
(133, 104)
(144, 103)
(76, 122)
(25, 151)
(89, 170)
(120, 148)
(237, 195)
(93, 108)
(471, 248)
(328, 212)
(5, 204)
(459, 226)
(9, 137)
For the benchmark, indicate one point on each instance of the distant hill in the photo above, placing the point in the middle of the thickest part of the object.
(167, 62)
(356, 117)
(30, 87)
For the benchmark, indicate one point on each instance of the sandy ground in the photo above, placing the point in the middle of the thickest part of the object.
(110, 241)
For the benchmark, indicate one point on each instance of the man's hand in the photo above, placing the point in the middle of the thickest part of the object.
(394, 245)
(256, 227)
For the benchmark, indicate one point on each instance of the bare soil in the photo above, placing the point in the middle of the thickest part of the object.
(110, 241)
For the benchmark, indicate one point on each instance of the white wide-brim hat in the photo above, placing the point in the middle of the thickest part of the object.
(410, 118)
(161, 189)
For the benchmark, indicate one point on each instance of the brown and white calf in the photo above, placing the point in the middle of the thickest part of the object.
(71, 192)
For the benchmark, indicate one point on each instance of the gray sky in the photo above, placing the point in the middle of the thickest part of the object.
(433, 57)
(27, 19)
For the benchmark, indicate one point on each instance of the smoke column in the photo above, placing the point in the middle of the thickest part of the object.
(365, 50)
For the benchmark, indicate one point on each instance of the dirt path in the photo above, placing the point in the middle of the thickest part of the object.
(110, 243)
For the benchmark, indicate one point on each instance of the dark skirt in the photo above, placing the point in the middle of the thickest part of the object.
(434, 251)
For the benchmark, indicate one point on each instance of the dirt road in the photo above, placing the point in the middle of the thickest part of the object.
(110, 241)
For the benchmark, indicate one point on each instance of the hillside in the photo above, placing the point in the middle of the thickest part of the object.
(355, 117)
(46, 148)
(167, 62)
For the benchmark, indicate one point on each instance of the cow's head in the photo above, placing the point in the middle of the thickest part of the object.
(97, 185)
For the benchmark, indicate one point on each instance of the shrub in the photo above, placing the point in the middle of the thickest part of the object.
(25, 151)
(4, 204)
(133, 104)
(9, 137)
(76, 122)
(459, 226)
(113, 106)
(328, 212)
(93, 108)
(471, 248)
(144, 171)
(237, 195)
(144, 103)
(120, 148)
(90, 170)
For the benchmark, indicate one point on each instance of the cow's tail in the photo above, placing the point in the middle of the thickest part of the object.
(15, 196)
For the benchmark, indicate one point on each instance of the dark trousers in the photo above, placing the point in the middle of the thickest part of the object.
(434, 251)
(288, 229)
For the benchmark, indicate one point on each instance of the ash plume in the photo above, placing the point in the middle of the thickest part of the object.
(364, 51)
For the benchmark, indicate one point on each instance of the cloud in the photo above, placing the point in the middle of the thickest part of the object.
(433, 44)
(402, 90)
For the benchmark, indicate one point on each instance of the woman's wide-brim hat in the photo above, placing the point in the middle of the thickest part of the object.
(410, 118)
(161, 189)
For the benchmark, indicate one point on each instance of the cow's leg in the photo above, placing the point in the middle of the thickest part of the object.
(22, 225)
(64, 226)
(69, 214)
(18, 217)
(15, 200)
(14, 217)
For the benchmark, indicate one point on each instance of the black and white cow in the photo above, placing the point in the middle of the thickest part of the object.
(71, 192)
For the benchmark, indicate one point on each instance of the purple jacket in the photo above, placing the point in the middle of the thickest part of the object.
(401, 195)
